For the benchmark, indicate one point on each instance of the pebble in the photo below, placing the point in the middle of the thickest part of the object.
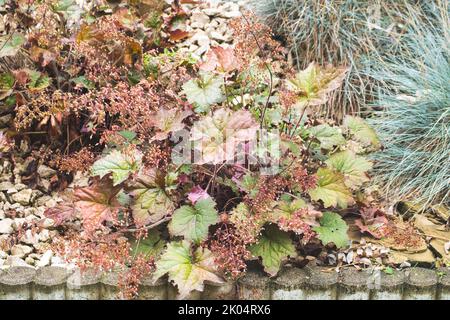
(29, 237)
(23, 197)
(45, 259)
(6, 185)
(44, 235)
(45, 172)
(30, 261)
(14, 261)
(20, 250)
(6, 226)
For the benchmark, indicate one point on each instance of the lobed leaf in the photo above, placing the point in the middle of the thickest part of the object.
(331, 189)
(192, 222)
(361, 131)
(353, 167)
(187, 270)
(119, 165)
(332, 229)
(328, 136)
(205, 91)
(273, 247)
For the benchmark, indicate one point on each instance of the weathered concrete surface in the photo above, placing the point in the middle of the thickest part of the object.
(421, 284)
(389, 287)
(153, 290)
(444, 284)
(254, 286)
(355, 285)
(290, 285)
(50, 283)
(15, 283)
(224, 291)
(109, 285)
(322, 284)
(84, 285)
(172, 294)
(55, 283)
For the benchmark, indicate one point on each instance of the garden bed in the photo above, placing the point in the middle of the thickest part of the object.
(91, 176)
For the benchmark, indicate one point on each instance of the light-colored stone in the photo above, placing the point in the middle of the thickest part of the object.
(32, 219)
(44, 235)
(199, 19)
(29, 237)
(212, 11)
(11, 190)
(23, 197)
(47, 223)
(45, 259)
(20, 186)
(6, 226)
(6, 185)
(43, 200)
(13, 261)
(30, 261)
(45, 172)
(20, 250)
(18, 222)
(29, 211)
(217, 36)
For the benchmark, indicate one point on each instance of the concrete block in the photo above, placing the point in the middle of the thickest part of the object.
(290, 284)
(390, 286)
(254, 286)
(50, 283)
(322, 284)
(84, 285)
(224, 291)
(354, 284)
(421, 284)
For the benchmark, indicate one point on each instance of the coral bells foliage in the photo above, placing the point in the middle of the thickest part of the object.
(196, 165)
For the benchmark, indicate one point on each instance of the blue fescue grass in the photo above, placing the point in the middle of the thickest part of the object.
(413, 117)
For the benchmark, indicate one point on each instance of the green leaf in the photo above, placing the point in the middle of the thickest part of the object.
(328, 136)
(388, 270)
(128, 135)
(205, 91)
(69, 8)
(285, 208)
(187, 270)
(273, 247)
(82, 80)
(151, 202)
(332, 229)
(315, 83)
(120, 165)
(353, 167)
(6, 81)
(249, 184)
(362, 131)
(151, 246)
(331, 189)
(10, 44)
(192, 222)
(6, 84)
(38, 81)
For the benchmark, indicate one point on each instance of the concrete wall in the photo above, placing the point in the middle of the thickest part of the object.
(50, 283)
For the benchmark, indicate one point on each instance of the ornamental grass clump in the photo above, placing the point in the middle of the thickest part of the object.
(345, 33)
(413, 117)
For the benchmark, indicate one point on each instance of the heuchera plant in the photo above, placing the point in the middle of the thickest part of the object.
(194, 213)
